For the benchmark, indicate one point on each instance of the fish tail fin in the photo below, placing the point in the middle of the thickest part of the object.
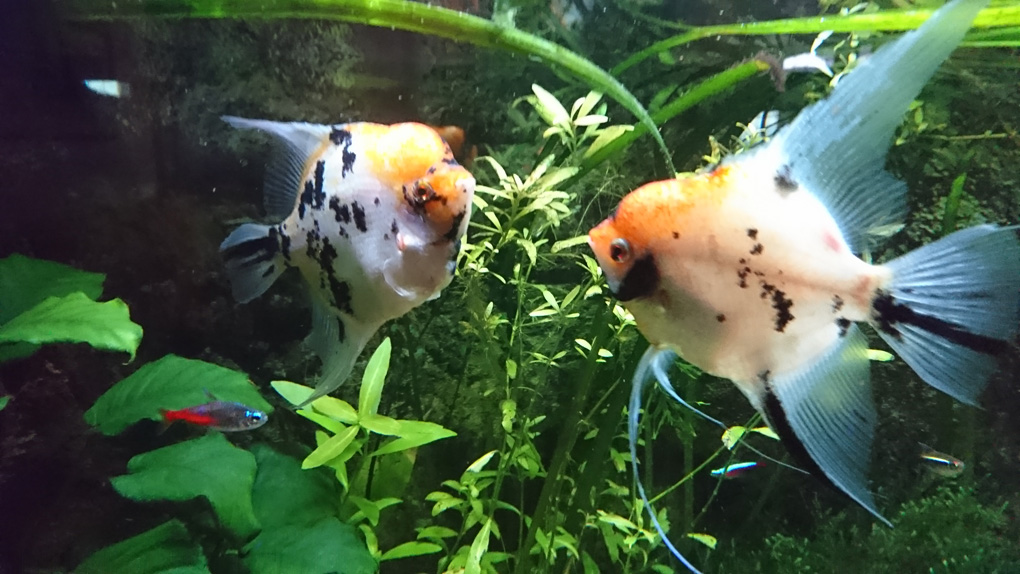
(338, 341)
(254, 258)
(650, 366)
(824, 415)
(952, 307)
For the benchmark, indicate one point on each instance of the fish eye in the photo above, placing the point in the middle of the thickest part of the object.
(424, 191)
(619, 250)
(255, 415)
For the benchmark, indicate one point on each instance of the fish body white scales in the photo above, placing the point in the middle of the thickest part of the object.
(738, 263)
(385, 281)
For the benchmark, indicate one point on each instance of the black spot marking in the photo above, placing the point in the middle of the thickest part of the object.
(888, 313)
(340, 136)
(312, 240)
(742, 274)
(394, 229)
(449, 160)
(343, 212)
(844, 325)
(767, 289)
(752, 233)
(269, 271)
(341, 330)
(721, 318)
(359, 217)
(779, 423)
(641, 281)
(320, 196)
(454, 231)
(757, 249)
(784, 180)
(676, 235)
(743, 261)
(285, 245)
(837, 303)
(376, 201)
(340, 291)
(782, 306)
(764, 377)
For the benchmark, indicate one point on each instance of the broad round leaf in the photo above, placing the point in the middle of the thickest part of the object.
(170, 383)
(25, 282)
(165, 549)
(208, 466)
(75, 318)
(322, 548)
(285, 494)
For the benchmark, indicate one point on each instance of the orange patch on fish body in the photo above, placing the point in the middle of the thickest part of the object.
(401, 153)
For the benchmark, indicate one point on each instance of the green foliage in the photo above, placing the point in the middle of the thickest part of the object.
(299, 511)
(44, 302)
(950, 531)
(166, 549)
(208, 466)
(348, 443)
(3, 401)
(170, 383)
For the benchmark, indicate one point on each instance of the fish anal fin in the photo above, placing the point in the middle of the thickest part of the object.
(824, 414)
(295, 143)
(338, 341)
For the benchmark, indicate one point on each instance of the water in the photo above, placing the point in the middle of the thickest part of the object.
(143, 187)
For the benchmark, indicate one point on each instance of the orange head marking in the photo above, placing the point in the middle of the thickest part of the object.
(443, 198)
(625, 244)
(403, 153)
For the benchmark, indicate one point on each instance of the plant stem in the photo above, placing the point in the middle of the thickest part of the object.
(546, 506)
(396, 14)
(890, 20)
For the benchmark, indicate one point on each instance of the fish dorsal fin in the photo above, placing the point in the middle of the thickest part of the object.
(285, 174)
(825, 411)
(836, 148)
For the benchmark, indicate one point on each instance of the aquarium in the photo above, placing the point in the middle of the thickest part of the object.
(509, 286)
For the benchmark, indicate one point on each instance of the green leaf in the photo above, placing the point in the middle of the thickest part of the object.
(170, 383)
(330, 449)
(325, 422)
(706, 539)
(408, 549)
(166, 549)
(380, 424)
(373, 380)
(568, 243)
(25, 282)
(606, 136)
(333, 408)
(413, 434)
(479, 464)
(208, 466)
(436, 532)
(324, 547)
(75, 318)
(285, 494)
(547, 106)
(478, 548)
(3, 401)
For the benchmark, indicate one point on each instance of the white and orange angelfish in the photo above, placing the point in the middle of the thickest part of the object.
(749, 271)
(372, 216)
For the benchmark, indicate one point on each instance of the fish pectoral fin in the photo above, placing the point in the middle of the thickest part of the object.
(393, 273)
(337, 340)
(285, 175)
(824, 414)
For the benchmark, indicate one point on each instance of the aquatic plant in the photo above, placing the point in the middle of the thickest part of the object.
(951, 530)
(44, 302)
(890, 20)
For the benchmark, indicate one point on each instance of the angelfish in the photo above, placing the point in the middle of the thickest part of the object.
(749, 271)
(371, 215)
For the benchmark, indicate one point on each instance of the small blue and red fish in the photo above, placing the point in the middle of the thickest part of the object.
(218, 415)
(940, 463)
(750, 271)
(736, 469)
(371, 215)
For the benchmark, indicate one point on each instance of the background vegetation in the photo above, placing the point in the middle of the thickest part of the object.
(525, 357)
